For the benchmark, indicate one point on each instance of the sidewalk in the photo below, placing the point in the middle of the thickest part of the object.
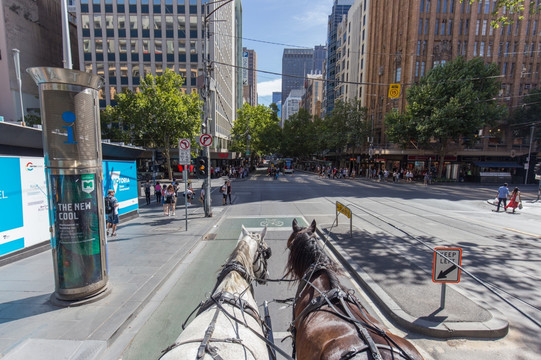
(407, 293)
(140, 259)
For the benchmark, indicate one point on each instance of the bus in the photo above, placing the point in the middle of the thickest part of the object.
(288, 165)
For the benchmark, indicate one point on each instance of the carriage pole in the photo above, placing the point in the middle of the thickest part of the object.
(268, 322)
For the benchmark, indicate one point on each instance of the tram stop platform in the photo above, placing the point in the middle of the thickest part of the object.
(405, 291)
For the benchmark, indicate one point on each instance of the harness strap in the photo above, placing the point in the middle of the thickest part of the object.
(208, 334)
(362, 330)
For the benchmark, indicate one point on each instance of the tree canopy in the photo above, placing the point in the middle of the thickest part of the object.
(256, 127)
(509, 10)
(157, 116)
(450, 104)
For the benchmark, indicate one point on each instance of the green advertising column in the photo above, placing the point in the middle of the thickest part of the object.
(73, 164)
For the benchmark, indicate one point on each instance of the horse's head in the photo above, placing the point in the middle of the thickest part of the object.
(297, 230)
(260, 253)
(304, 251)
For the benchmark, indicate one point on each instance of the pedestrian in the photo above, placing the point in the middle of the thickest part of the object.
(223, 190)
(229, 190)
(189, 193)
(147, 191)
(169, 208)
(111, 210)
(503, 194)
(158, 192)
(514, 203)
(202, 194)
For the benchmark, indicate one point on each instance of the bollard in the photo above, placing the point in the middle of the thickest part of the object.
(73, 167)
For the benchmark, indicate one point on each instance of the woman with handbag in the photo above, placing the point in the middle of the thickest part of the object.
(515, 201)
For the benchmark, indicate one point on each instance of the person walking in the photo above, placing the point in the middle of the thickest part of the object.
(169, 206)
(515, 200)
(158, 192)
(147, 191)
(229, 190)
(223, 190)
(111, 210)
(503, 194)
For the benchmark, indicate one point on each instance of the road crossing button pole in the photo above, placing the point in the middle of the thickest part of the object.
(73, 168)
(446, 268)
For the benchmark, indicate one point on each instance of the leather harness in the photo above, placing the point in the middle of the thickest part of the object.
(338, 296)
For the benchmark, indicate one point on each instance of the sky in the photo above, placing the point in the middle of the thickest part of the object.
(291, 23)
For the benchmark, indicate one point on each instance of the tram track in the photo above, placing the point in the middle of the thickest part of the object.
(409, 232)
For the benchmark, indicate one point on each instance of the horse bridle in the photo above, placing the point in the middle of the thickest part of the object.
(336, 294)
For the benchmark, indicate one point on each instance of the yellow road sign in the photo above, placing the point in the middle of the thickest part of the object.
(341, 208)
(394, 91)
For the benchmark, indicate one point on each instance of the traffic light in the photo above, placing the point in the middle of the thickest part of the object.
(537, 169)
(202, 166)
(159, 157)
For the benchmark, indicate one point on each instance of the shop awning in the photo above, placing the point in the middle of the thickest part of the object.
(496, 164)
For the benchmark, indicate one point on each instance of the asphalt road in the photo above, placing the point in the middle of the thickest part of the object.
(501, 250)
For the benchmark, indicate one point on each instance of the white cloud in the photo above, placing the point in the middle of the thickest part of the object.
(266, 88)
(315, 15)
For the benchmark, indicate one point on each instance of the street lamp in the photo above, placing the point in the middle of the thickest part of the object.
(17, 62)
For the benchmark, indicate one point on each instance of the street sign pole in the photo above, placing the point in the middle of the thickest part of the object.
(184, 159)
(442, 300)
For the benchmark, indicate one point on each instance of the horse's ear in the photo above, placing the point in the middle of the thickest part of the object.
(263, 233)
(295, 225)
(313, 226)
(244, 231)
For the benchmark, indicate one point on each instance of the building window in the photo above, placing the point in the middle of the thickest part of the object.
(121, 21)
(133, 22)
(85, 22)
(398, 74)
(110, 46)
(134, 46)
(98, 46)
(484, 30)
(157, 22)
(97, 22)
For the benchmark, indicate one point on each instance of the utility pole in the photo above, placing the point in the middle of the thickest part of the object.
(206, 94)
(529, 154)
(17, 63)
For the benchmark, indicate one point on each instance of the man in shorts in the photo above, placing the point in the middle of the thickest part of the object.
(112, 216)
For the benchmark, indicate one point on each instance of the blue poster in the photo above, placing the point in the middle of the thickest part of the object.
(11, 206)
(121, 176)
(11, 200)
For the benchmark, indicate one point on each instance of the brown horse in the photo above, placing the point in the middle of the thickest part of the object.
(328, 320)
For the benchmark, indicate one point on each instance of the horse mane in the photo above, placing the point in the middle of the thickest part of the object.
(305, 251)
(241, 254)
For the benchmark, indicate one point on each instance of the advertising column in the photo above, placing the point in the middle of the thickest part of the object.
(73, 165)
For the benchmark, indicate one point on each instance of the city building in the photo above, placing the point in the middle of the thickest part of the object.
(313, 94)
(339, 9)
(124, 40)
(249, 76)
(397, 42)
(291, 105)
(296, 64)
(35, 29)
(276, 97)
(320, 53)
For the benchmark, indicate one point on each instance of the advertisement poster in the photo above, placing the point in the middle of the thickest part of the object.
(34, 199)
(11, 206)
(76, 230)
(121, 176)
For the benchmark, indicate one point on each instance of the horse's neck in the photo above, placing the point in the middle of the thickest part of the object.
(235, 284)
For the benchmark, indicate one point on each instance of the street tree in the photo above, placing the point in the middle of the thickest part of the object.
(448, 105)
(506, 11)
(526, 116)
(256, 130)
(346, 126)
(299, 135)
(159, 114)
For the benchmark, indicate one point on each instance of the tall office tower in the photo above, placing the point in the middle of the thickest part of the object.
(35, 29)
(276, 97)
(292, 104)
(313, 94)
(296, 63)
(124, 40)
(425, 34)
(249, 76)
(339, 9)
(320, 53)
